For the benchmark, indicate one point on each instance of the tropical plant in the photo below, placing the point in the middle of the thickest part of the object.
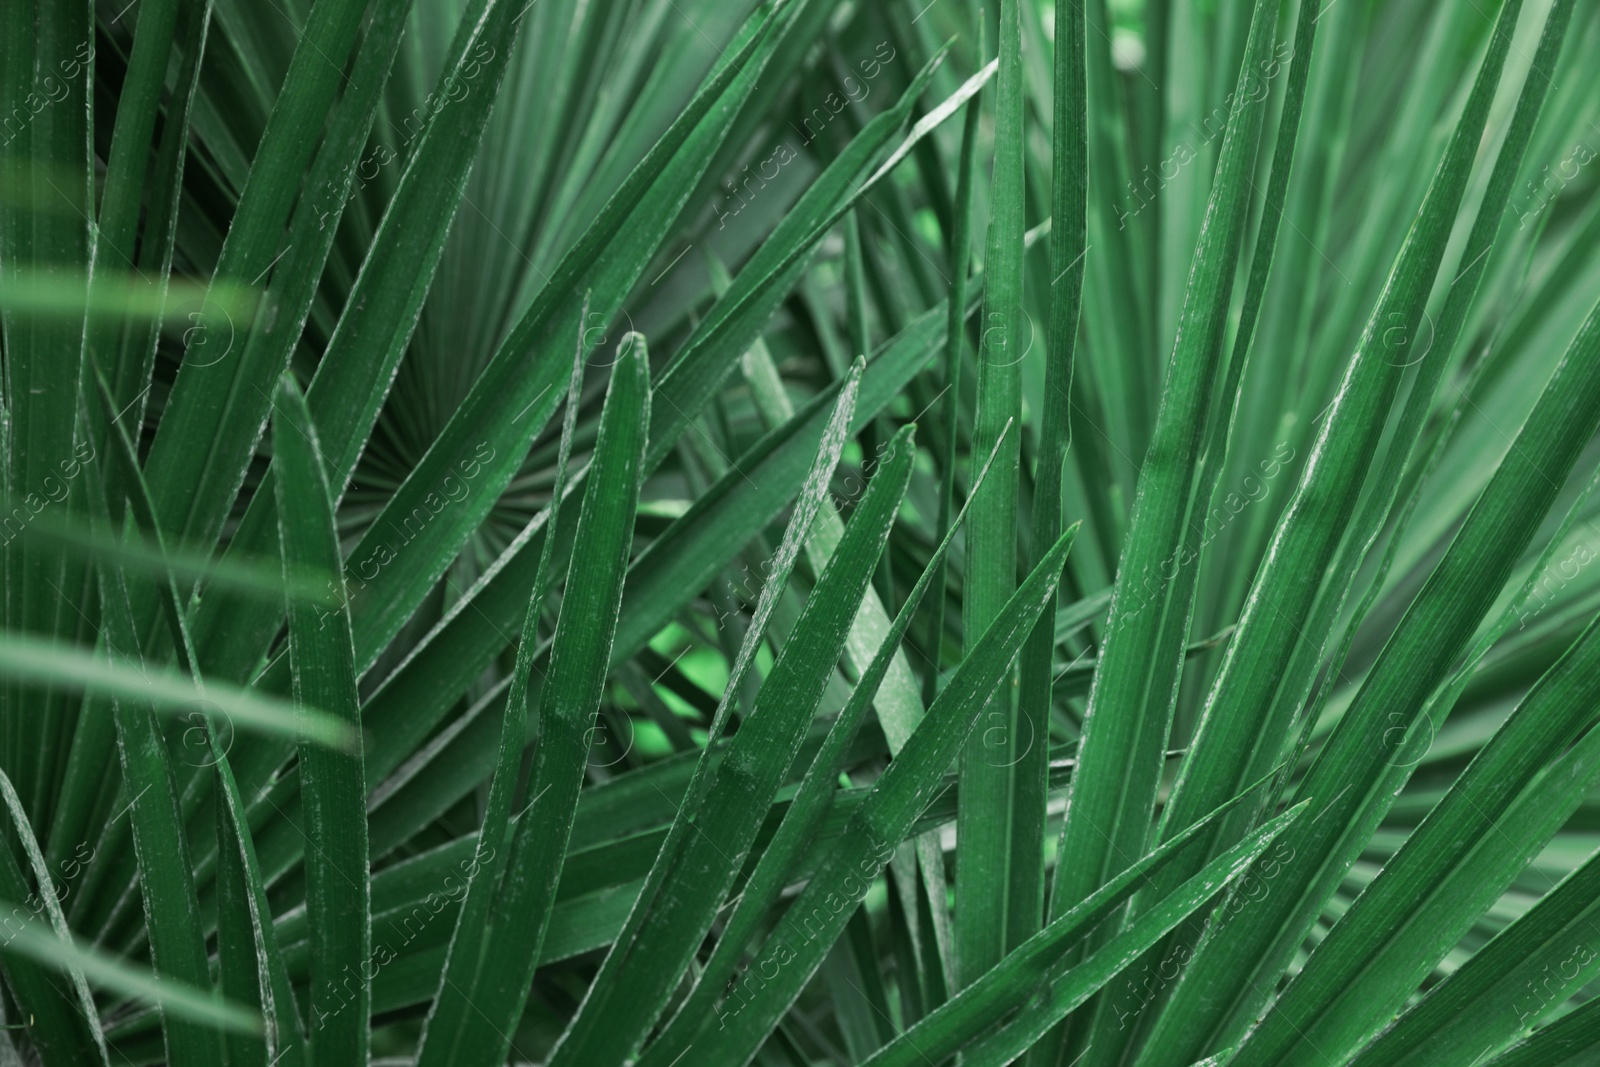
(796, 531)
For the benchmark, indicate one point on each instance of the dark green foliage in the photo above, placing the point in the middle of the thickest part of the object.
(1092, 565)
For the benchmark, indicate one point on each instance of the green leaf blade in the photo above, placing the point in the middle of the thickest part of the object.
(475, 1023)
(333, 786)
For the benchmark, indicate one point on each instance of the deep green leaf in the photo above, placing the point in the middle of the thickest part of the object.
(795, 949)
(333, 788)
(661, 937)
(473, 1025)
